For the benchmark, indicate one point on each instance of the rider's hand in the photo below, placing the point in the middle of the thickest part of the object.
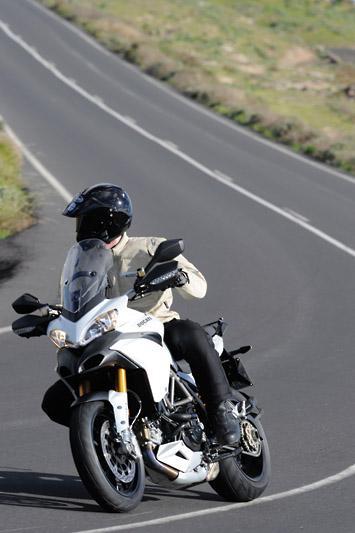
(181, 279)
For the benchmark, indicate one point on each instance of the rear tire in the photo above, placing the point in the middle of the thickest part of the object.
(115, 481)
(245, 477)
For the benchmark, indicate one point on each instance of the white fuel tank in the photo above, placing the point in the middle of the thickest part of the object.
(142, 342)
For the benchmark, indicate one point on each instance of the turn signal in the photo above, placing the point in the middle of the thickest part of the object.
(59, 337)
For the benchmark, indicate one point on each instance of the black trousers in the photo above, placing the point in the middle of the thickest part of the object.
(185, 340)
(188, 340)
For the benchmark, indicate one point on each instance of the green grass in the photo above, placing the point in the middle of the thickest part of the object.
(263, 63)
(15, 202)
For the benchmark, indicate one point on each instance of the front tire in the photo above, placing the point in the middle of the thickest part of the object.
(245, 477)
(114, 480)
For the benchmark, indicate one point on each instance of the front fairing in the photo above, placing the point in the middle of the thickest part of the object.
(77, 329)
(140, 339)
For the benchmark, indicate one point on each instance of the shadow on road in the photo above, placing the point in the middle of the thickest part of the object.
(187, 494)
(48, 491)
(65, 492)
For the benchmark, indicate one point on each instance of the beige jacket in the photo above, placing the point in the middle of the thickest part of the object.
(132, 253)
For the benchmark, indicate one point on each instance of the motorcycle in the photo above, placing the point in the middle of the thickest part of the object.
(137, 413)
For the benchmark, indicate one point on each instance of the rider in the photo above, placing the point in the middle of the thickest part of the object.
(104, 211)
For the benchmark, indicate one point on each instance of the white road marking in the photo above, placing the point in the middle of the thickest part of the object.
(52, 180)
(18, 529)
(6, 329)
(286, 214)
(170, 144)
(98, 99)
(294, 213)
(344, 474)
(131, 120)
(224, 176)
(226, 180)
(197, 107)
(49, 478)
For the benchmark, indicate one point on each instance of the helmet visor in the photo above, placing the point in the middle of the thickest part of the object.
(101, 224)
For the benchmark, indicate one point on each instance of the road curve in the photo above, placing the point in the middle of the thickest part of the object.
(282, 288)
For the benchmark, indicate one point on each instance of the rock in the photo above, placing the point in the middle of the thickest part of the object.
(349, 91)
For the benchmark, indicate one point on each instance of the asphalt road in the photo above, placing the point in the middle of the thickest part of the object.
(284, 286)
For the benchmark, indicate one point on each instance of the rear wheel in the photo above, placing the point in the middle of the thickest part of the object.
(244, 477)
(113, 477)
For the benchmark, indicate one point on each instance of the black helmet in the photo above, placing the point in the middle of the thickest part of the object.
(103, 211)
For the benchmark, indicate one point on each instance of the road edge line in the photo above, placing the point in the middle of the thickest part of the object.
(330, 480)
(37, 165)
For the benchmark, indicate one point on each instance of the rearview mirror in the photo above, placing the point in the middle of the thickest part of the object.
(166, 251)
(27, 303)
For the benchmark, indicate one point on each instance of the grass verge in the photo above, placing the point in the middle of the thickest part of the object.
(16, 205)
(264, 64)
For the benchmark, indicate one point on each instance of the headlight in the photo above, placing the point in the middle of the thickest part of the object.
(103, 323)
(59, 337)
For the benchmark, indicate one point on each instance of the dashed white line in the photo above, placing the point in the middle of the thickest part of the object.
(225, 178)
(19, 529)
(130, 119)
(197, 107)
(295, 214)
(170, 144)
(344, 474)
(98, 99)
(49, 478)
(228, 181)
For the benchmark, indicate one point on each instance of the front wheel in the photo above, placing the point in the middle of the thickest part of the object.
(114, 479)
(244, 477)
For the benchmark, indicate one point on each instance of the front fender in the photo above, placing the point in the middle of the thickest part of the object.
(119, 404)
(91, 397)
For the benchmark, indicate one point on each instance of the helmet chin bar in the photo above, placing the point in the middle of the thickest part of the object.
(103, 236)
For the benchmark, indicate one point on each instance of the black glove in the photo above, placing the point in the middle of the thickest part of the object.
(181, 279)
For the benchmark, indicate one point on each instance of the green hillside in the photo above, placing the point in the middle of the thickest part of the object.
(265, 64)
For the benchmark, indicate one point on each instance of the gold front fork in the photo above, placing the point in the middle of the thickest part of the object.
(121, 380)
(121, 383)
(84, 388)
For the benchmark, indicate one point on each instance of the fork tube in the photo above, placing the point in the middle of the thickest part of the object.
(121, 380)
(84, 388)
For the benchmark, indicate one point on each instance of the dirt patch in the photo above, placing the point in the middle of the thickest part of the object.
(296, 56)
(256, 70)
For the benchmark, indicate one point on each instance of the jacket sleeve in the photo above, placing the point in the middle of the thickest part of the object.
(196, 287)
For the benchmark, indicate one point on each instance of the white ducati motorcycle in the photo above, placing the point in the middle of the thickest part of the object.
(135, 412)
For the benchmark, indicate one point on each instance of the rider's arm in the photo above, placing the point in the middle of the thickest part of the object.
(196, 286)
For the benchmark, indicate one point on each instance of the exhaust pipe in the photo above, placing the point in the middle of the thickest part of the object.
(153, 464)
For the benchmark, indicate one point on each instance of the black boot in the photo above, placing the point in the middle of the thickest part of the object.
(226, 424)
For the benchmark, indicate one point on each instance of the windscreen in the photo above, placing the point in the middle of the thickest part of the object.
(84, 275)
